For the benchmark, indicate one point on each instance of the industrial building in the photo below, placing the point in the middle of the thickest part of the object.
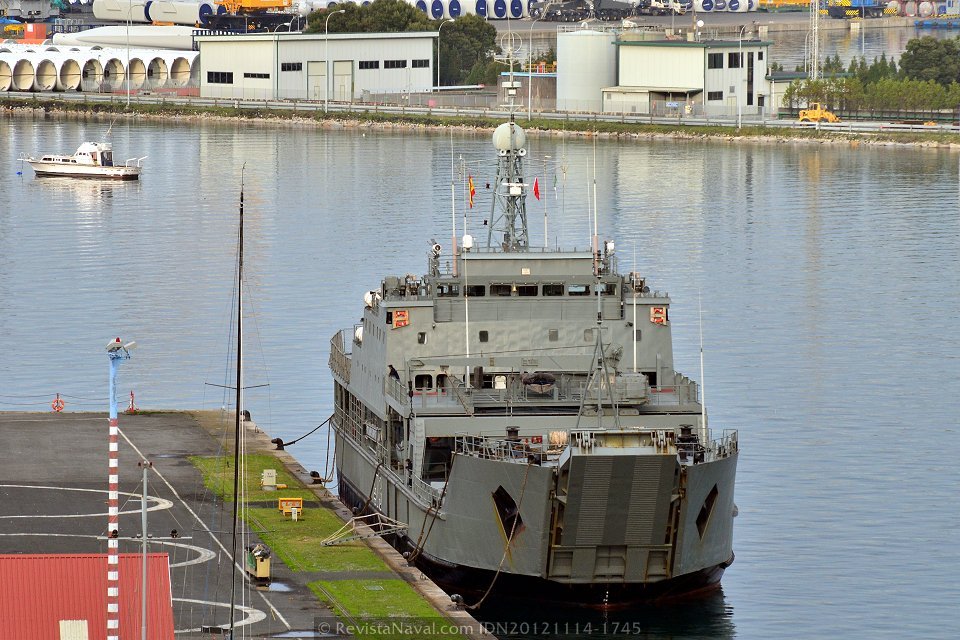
(293, 66)
(644, 73)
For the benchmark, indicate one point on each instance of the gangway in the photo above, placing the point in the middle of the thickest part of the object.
(372, 525)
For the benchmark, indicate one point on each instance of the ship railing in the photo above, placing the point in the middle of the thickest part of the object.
(726, 445)
(339, 355)
(528, 450)
(425, 491)
(397, 391)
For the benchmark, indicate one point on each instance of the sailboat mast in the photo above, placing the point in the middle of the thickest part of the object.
(237, 432)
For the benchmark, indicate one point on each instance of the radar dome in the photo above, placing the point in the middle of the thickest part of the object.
(501, 137)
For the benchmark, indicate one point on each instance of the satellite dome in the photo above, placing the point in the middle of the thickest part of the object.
(501, 137)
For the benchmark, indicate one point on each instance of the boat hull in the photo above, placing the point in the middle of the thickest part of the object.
(472, 583)
(47, 170)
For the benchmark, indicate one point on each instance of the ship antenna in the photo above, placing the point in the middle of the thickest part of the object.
(453, 208)
(703, 387)
(508, 215)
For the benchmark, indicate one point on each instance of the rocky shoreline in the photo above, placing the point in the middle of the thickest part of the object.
(939, 138)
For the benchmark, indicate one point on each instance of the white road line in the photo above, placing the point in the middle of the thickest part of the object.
(203, 554)
(252, 615)
(203, 524)
(161, 503)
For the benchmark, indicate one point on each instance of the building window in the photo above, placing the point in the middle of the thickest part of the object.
(291, 66)
(394, 64)
(714, 61)
(759, 55)
(369, 64)
(421, 64)
(714, 95)
(256, 75)
(733, 60)
(220, 77)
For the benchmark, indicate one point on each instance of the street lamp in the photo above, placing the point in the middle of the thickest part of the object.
(439, 29)
(530, 68)
(740, 78)
(326, 40)
(130, 5)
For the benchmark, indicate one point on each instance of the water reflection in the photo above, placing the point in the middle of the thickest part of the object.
(710, 616)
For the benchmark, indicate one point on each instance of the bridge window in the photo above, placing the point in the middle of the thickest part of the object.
(500, 289)
(422, 337)
(448, 290)
(553, 335)
(484, 336)
(476, 290)
(423, 381)
(553, 289)
(607, 289)
(526, 290)
(578, 290)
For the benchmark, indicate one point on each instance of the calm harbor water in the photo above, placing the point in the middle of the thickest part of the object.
(828, 277)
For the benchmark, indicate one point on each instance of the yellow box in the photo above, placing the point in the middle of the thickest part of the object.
(285, 504)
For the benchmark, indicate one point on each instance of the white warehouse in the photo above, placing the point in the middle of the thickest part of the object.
(294, 66)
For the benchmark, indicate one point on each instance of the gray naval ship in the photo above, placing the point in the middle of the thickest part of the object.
(517, 411)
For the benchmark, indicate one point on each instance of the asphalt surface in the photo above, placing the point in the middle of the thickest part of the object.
(53, 499)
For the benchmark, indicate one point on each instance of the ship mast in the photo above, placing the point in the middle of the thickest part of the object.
(508, 217)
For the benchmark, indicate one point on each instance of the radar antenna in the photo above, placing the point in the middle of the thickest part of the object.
(508, 215)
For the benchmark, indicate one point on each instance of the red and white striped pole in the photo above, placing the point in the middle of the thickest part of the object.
(117, 352)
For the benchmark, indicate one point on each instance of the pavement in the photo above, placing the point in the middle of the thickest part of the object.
(53, 499)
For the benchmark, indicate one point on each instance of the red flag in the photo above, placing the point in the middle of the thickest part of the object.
(473, 191)
(536, 188)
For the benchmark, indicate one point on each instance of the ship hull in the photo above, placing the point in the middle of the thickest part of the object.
(472, 583)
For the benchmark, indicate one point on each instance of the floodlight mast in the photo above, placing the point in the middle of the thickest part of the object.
(117, 351)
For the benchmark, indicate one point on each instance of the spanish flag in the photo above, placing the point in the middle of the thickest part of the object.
(473, 190)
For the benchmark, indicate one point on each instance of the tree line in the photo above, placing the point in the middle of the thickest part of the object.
(927, 79)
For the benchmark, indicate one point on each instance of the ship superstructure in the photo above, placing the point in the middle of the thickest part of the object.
(519, 411)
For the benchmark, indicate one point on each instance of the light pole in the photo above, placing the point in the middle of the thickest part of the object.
(740, 79)
(130, 5)
(439, 29)
(326, 40)
(530, 69)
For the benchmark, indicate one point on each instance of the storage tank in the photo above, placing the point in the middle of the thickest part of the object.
(137, 72)
(926, 9)
(586, 63)
(437, 9)
(157, 73)
(112, 72)
(44, 71)
(498, 10)
(703, 6)
(422, 5)
(480, 6)
(457, 8)
(119, 10)
(719, 5)
(516, 9)
(23, 72)
(6, 75)
(178, 71)
(737, 6)
(68, 69)
(91, 73)
(910, 8)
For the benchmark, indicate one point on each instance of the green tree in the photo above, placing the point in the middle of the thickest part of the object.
(928, 58)
(380, 16)
(464, 44)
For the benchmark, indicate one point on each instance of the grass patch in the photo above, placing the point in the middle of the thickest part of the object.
(218, 476)
(391, 608)
(298, 543)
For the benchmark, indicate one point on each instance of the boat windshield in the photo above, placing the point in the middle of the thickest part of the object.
(106, 158)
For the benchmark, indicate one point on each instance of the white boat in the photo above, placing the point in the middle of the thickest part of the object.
(91, 160)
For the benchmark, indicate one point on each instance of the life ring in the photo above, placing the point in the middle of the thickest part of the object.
(57, 404)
